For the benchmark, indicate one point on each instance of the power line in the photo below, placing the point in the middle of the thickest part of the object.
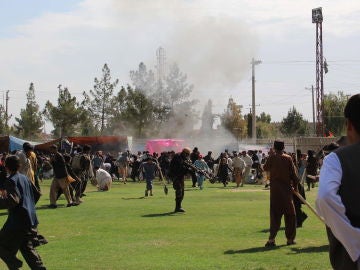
(288, 62)
(48, 92)
(307, 61)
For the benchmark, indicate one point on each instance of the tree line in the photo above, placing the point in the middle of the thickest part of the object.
(150, 107)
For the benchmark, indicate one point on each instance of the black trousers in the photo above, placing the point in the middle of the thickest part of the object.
(300, 214)
(79, 187)
(193, 179)
(83, 185)
(13, 241)
(179, 186)
(339, 258)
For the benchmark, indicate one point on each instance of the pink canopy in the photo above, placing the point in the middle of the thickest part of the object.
(164, 145)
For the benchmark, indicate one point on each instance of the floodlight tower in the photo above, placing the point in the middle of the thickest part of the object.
(161, 64)
(317, 18)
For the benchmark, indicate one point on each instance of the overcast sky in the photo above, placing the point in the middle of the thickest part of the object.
(52, 42)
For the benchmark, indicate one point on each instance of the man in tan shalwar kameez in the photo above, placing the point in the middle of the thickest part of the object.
(283, 179)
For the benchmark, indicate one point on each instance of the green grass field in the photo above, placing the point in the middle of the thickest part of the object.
(223, 228)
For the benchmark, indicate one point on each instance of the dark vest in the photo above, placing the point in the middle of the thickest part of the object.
(58, 164)
(349, 157)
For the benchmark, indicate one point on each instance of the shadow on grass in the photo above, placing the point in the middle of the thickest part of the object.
(218, 187)
(160, 215)
(46, 207)
(134, 198)
(192, 189)
(4, 214)
(211, 186)
(268, 230)
(323, 248)
(252, 250)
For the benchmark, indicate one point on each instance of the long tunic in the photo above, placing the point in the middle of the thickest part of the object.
(283, 177)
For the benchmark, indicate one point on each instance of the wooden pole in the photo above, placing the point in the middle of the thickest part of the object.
(308, 205)
(166, 190)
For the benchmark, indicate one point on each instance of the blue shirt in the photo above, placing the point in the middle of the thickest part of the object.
(20, 203)
(148, 169)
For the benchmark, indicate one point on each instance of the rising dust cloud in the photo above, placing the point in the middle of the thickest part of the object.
(214, 51)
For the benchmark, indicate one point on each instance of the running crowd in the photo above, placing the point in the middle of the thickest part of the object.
(284, 174)
(71, 172)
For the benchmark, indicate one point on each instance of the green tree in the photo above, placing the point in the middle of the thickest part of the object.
(266, 118)
(118, 105)
(179, 109)
(170, 98)
(98, 103)
(138, 112)
(143, 80)
(233, 120)
(66, 116)
(334, 112)
(85, 127)
(4, 130)
(264, 128)
(294, 124)
(177, 89)
(30, 122)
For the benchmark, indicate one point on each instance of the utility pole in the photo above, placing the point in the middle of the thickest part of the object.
(313, 107)
(6, 109)
(253, 124)
(60, 126)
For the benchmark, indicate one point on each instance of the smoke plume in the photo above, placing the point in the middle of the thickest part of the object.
(214, 51)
